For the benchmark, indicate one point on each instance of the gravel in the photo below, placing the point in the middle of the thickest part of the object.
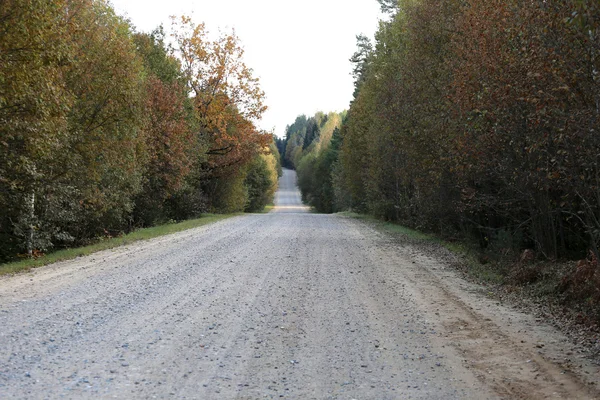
(288, 304)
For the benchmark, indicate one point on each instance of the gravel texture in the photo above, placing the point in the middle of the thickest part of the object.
(288, 304)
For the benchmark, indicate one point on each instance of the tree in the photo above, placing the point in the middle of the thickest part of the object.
(227, 98)
(389, 6)
(261, 181)
(227, 102)
(34, 105)
(168, 136)
(314, 159)
(105, 160)
(478, 117)
(360, 61)
(103, 130)
(70, 111)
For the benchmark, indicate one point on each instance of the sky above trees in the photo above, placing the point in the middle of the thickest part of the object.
(290, 45)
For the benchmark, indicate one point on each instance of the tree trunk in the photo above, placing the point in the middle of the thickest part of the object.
(30, 220)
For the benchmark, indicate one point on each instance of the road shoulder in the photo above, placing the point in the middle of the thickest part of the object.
(514, 352)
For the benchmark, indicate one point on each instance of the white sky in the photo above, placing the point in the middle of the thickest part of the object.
(298, 49)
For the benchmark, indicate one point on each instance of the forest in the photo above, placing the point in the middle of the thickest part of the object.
(104, 129)
(470, 119)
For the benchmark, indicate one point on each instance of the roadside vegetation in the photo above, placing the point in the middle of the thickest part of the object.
(533, 286)
(476, 121)
(105, 130)
(106, 243)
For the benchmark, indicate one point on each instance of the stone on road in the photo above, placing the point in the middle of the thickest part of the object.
(289, 304)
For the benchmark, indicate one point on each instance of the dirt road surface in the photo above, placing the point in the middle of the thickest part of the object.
(288, 304)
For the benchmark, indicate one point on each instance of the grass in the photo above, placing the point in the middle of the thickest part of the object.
(268, 208)
(105, 244)
(485, 272)
(506, 278)
(391, 227)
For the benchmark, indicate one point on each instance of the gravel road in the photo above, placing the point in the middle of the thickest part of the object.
(288, 304)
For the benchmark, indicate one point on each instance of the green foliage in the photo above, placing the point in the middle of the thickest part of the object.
(227, 101)
(170, 144)
(34, 105)
(70, 123)
(229, 193)
(157, 56)
(294, 141)
(274, 149)
(105, 158)
(389, 6)
(261, 182)
(474, 118)
(361, 59)
(110, 243)
(252, 188)
(321, 142)
(98, 134)
(530, 101)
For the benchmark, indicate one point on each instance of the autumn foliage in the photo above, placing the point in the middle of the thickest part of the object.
(478, 119)
(103, 130)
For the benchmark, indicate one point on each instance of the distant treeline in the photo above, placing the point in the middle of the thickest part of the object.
(103, 129)
(475, 118)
